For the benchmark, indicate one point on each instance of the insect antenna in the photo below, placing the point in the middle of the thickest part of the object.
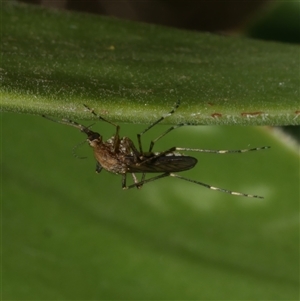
(75, 148)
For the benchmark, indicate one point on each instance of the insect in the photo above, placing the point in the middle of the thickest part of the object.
(120, 155)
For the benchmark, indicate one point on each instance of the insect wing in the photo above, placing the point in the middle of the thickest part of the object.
(165, 164)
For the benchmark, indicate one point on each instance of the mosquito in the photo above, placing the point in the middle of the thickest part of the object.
(120, 156)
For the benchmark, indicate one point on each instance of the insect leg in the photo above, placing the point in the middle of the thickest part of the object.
(170, 150)
(98, 116)
(117, 138)
(124, 181)
(216, 188)
(224, 151)
(221, 151)
(136, 181)
(98, 167)
(146, 181)
(133, 148)
(163, 134)
(142, 179)
(155, 123)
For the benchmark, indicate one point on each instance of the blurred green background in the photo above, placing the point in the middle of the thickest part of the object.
(69, 234)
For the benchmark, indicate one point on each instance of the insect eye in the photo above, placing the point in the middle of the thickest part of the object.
(94, 136)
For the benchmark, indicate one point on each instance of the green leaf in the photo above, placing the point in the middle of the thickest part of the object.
(68, 233)
(56, 61)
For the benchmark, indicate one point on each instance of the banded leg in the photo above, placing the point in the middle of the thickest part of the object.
(216, 188)
(155, 123)
(221, 151)
(165, 133)
(136, 184)
(136, 181)
(141, 183)
(117, 137)
(212, 151)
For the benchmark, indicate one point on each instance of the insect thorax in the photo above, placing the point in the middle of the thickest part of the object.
(114, 158)
(122, 148)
